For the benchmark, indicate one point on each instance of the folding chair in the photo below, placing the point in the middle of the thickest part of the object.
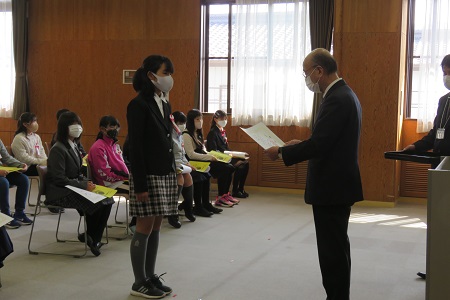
(120, 224)
(42, 171)
(119, 195)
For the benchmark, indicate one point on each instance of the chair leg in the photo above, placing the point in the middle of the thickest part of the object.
(38, 207)
(29, 191)
(120, 224)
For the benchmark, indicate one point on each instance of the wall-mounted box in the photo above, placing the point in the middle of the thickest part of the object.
(128, 76)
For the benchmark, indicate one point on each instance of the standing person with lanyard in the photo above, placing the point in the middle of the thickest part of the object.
(438, 138)
(333, 182)
(153, 182)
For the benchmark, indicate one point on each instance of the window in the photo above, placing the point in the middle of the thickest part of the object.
(217, 59)
(429, 42)
(7, 71)
(251, 62)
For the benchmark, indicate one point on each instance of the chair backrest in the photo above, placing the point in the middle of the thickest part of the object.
(42, 172)
(47, 148)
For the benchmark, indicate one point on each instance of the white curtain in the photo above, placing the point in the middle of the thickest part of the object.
(271, 39)
(433, 26)
(7, 71)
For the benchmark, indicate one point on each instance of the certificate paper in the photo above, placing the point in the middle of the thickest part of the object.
(222, 157)
(201, 166)
(262, 135)
(4, 219)
(10, 169)
(94, 197)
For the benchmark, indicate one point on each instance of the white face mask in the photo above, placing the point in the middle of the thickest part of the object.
(182, 127)
(163, 83)
(75, 130)
(198, 124)
(222, 123)
(447, 81)
(313, 87)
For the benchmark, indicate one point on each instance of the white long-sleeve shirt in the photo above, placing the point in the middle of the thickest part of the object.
(189, 147)
(28, 149)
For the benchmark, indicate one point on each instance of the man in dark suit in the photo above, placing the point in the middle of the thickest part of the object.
(333, 181)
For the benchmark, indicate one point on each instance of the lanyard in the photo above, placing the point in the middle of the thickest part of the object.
(442, 117)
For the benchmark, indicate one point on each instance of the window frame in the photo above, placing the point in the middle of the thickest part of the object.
(205, 59)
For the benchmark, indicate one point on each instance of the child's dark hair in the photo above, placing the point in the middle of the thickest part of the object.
(217, 115)
(24, 118)
(141, 82)
(190, 125)
(179, 117)
(106, 121)
(60, 112)
(65, 120)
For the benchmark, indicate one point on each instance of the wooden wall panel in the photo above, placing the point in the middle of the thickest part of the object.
(368, 15)
(78, 50)
(368, 47)
(50, 20)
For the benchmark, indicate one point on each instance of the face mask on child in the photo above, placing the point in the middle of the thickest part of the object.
(222, 123)
(182, 127)
(75, 130)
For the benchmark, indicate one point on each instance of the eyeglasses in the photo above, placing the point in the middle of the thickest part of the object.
(304, 72)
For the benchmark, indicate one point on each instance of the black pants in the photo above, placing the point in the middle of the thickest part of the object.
(97, 221)
(224, 174)
(333, 245)
(240, 175)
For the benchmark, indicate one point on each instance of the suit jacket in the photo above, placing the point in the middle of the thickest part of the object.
(63, 168)
(150, 140)
(333, 176)
(215, 140)
(429, 141)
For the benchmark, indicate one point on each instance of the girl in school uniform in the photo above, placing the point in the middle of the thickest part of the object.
(184, 169)
(195, 150)
(64, 168)
(153, 182)
(217, 140)
(27, 145)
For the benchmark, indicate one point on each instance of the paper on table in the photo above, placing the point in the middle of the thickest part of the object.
(93, 197)
(262, 135)
(4, 219)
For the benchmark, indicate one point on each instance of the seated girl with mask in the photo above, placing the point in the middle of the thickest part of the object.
(105, 156)
(64, 168)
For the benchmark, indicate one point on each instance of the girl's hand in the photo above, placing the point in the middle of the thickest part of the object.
(90, 186)
(142, 197)
(213, 159)
(3, 173)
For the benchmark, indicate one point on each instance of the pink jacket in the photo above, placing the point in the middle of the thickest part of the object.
(106, 162)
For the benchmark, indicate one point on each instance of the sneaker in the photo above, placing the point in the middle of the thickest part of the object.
(147, 290)
(156, 280)
(13, 224)
(232, 199)
(22, 218)
(222, 201)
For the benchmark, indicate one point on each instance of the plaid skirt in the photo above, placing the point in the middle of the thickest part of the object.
(162, 197)
(74, 200)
